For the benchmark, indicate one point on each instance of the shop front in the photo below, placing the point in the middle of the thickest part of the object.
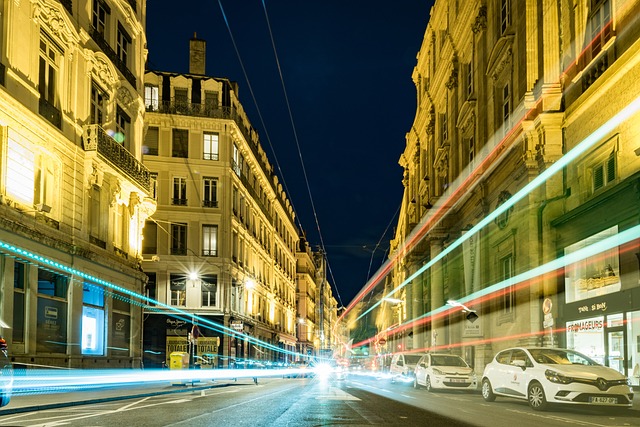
(599, 295)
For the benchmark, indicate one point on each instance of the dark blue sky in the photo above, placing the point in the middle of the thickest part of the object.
(347, 68)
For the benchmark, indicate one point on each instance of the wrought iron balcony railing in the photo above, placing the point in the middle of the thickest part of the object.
(96, 139)
(50, 112)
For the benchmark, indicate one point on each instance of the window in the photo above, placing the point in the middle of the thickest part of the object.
(179, 191)
(209, 240)
(99, 18)
(95, 214)
(505, 15)
(509, 296)
(151, 142)
(123, 124)
(445, 130)
(181, 100)
(47, 81)
(51, 328)
(471, 146)
(45, 181)
(180, 143)
(178, 239)
(151, 99)
(210, 146)
(19, 286)
(98, 100)
(506, 108)
(92, 319)
(236, 160)
(209, 285)
(150, 287)
(123, 45)
(121, 226)
(52, 284)
(210, 192)
(601, 25)
(604, 172)
(210, 102)
(150, 238)
(178, 288)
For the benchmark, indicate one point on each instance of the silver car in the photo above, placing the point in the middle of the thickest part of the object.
(554, 375)
(444, 371)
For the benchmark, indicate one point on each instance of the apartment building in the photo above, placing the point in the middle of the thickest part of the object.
(74, 195)
(220, 251)
(519, 162)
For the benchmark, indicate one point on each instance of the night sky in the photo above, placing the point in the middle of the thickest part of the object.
(347, 68)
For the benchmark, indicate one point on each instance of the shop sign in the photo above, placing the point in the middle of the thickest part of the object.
(472, 329)
(586, 325)
(237, 325)
(599, 306)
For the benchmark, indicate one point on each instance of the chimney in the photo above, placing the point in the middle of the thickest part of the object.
(197, 55)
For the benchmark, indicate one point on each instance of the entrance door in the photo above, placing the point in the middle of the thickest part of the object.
(615, 350)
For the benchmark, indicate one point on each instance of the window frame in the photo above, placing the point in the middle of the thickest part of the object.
(178, 236)
(210, 240)
(179, 191)
(209, 192)
(211, 146)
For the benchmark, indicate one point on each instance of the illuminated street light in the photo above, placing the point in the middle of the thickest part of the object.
(455, 303)
(249, 283)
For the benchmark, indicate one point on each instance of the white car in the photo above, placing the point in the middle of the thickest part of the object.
(6, 374)
(554, 375)
(403, 366)
(444, 371)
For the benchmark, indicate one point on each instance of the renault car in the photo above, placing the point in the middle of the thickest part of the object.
(553, 375)
(444, 371)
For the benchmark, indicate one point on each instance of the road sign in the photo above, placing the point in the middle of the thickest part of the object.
(382, 341)
(548, 320)
(546, 306)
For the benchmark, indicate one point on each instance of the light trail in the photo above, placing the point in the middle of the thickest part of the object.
(581, 148)
(46, 381)
(522, 280)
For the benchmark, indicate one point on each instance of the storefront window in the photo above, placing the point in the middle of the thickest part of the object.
(92, 319)
(596, 275)
(633, 346)
(587, 337)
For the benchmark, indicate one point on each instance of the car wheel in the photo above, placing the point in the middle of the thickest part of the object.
(536, 397)
(487, 391)
(427, 384)
(415, 383)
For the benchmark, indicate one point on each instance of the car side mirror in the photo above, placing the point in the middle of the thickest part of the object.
(521, 363)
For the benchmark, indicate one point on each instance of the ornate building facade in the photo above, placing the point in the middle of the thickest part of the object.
(520, 156)
(222, 245)
(74, 194)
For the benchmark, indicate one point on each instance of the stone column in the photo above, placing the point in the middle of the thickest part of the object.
(437, 292)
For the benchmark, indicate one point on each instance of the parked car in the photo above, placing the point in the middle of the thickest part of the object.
(6, 374)
(403, 366)
(444, 371)
(554, 375)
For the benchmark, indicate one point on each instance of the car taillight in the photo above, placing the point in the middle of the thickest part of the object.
(3, 344)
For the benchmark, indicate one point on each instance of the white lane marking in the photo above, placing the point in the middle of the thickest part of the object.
(335, 393)
(557, 418)
(407, 396)
(126, 407)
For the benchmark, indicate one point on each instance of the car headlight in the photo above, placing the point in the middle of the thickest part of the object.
(437, 371)
(556, 377)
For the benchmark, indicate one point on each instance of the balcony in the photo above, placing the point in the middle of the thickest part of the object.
(113, 56)
(96, 139)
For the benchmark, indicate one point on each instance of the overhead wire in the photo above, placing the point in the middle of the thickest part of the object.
(295, 136)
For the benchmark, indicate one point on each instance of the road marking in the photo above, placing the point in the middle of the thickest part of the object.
(335, 394)
(557, 418)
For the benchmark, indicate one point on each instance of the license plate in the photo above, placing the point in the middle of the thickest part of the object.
(597, 399)
(458, 380)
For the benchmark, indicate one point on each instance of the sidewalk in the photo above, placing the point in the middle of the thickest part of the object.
(39, 402)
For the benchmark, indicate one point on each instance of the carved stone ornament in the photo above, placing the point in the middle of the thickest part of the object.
(453, 79)
(480, 23)
(116, 190)
(96, 176)
(125, 98)
(54, 20)
(502, 220)
(102, 71)
(441, 163)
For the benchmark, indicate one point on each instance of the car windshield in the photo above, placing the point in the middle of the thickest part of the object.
(447, 361)
(412, 359)
(560, 357)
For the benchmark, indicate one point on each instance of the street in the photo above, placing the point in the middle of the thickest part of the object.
(358, 400)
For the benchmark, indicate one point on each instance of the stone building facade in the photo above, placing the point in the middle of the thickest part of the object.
(220, 251)
(74, 195)
(518, 158)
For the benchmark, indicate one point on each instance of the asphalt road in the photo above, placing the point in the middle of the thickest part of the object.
(356, 401)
